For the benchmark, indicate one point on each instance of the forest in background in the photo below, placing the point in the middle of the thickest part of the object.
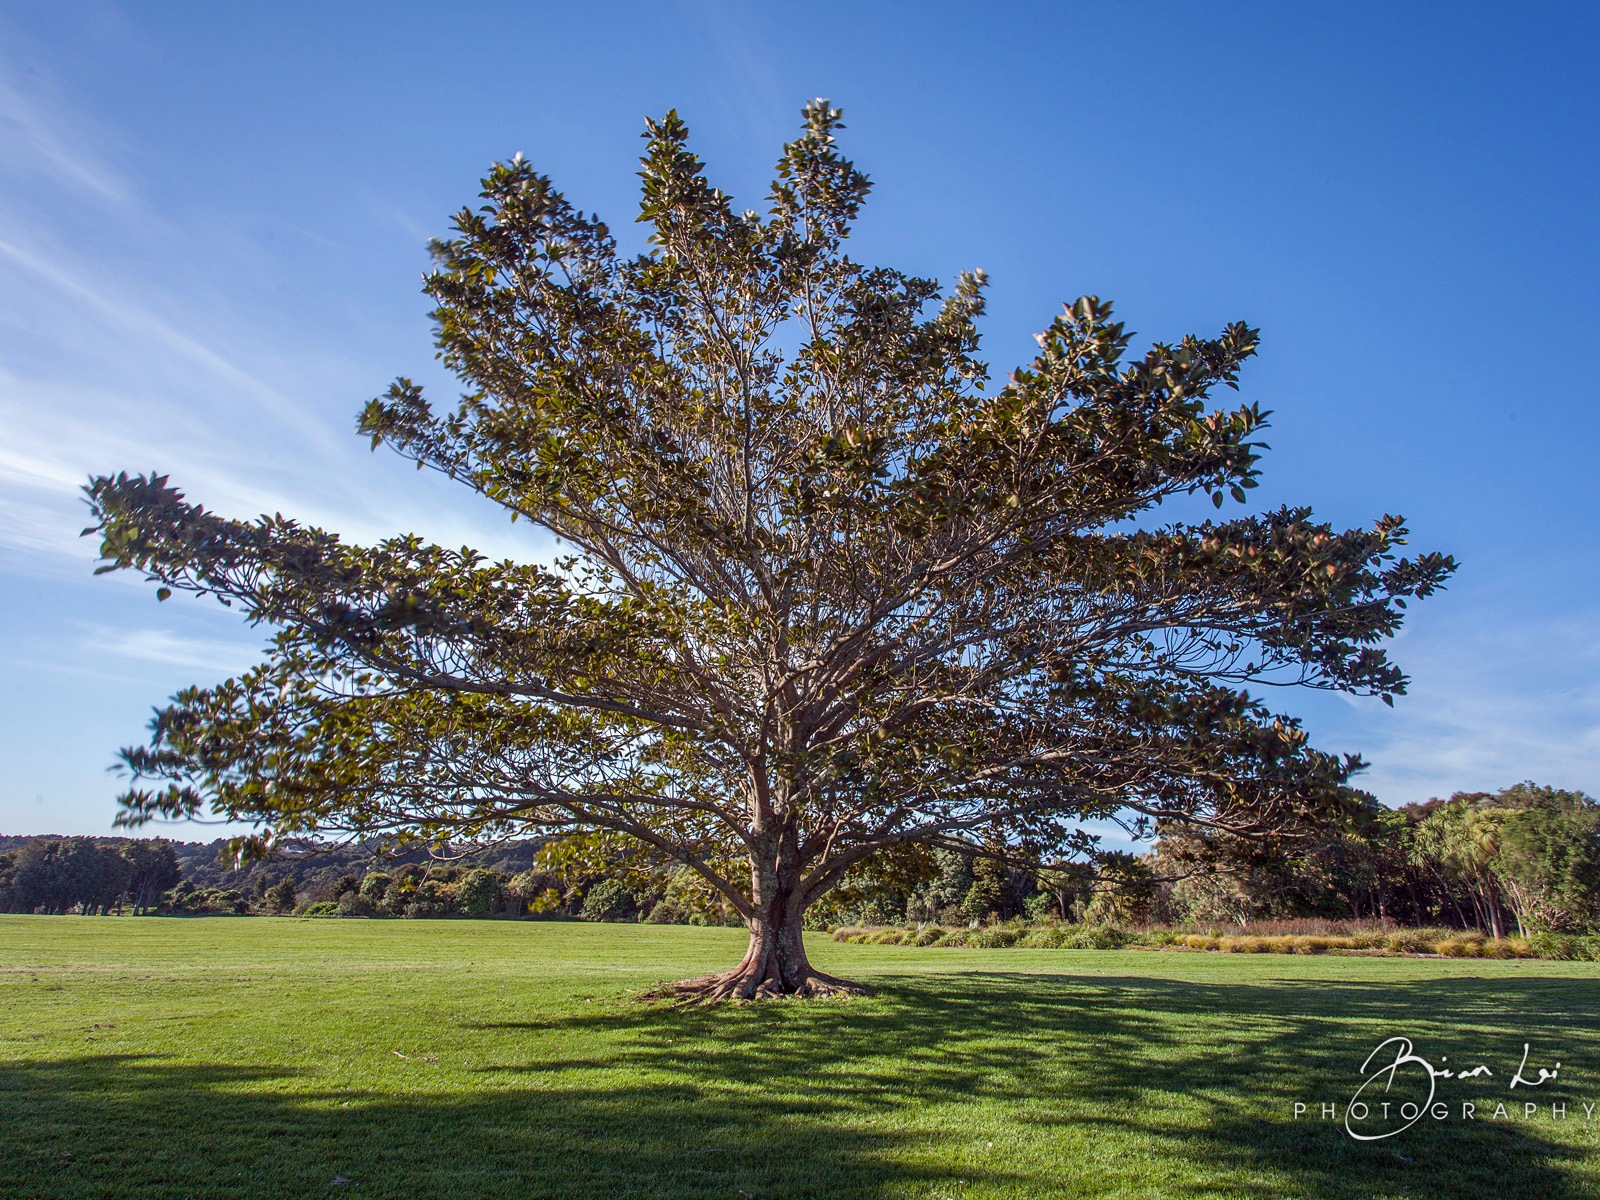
(1522, 860)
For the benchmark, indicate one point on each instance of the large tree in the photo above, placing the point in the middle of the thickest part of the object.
(830, 590)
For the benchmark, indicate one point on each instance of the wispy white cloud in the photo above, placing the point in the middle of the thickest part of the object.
(115, 362)
(96, 373)
(40, 134)
(411, 226)
(134, 318)
(136, 338)
(212, 655)
(1491, 703)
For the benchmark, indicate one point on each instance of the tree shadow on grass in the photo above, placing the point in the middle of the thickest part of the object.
(1203, 1074)
(833, 1099)
(134, 1127)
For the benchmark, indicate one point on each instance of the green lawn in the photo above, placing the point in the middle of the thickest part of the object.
(261, 1057)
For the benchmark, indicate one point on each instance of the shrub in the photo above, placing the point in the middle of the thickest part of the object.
(607, 900)
(1451, 943)
(1413, 941)
(479, 893)
(1317, 927)
(994, 938)
(186, 898)
(1096, 937)
(321, 908)
(1511, 947)
(1461, 946)
(432, 898)
(280, 897)
(353, 904)
(1042, 939)
(1559, 946)
(1157, 939)
(1041, 908)
(666, 912)
(547, 903)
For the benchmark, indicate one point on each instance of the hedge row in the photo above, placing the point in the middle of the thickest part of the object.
(1451, 943)
(1049, 937)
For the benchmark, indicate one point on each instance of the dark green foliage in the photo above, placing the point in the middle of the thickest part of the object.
(1124, 893)
(954, 880)
(1548, 858)
(665, 912)
(430, 898)
(354, 904)
(608, 900)
(154, 869)
(1041, 907)
(986, 898)
(48, 874)
(535, 893)
(1527, 857)
(479, 893)
(79, 874)
(886, 889)
(1521, 860)
(319, 868)
(1529, 852)
(280, 897)
(189, 900)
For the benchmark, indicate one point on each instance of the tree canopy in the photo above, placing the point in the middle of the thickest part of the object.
(80, 874)
(830, 588)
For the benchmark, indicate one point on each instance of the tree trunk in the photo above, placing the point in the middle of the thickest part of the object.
(775, 964)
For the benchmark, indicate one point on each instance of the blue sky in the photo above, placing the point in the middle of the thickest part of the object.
(212, 226)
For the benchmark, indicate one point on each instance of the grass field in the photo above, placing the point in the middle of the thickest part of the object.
(294, 1058)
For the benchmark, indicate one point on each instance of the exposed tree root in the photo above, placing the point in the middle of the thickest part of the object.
(742, 983)
(774, 965)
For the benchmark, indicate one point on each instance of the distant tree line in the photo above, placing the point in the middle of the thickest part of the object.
(53, 874)
(1523, 860)
(85, 875)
